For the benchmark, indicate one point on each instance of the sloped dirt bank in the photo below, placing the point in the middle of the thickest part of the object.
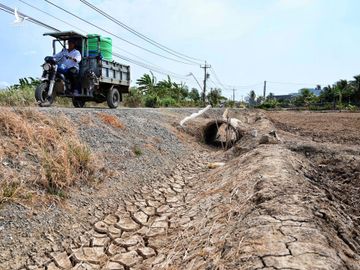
(261, 211)
(267, 208)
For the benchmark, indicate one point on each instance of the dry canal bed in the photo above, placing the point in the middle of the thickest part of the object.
(289, 201)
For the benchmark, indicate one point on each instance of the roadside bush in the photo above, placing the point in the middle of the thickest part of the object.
(22, 96)
(40, 153)
(151, 101)
(134, 99)
(230, 104)
(351, 108)
(269, 104)
(168, 102)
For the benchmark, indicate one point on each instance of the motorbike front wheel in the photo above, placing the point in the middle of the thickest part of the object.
(41, 95)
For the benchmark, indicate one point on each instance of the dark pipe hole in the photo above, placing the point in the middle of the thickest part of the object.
(221, 135)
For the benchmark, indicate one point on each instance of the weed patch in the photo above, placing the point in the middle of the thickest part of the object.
(43, 153)
(137, 151)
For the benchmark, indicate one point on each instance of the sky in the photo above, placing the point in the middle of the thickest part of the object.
(289, 43)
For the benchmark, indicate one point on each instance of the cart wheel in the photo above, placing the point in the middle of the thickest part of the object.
(78, 103)
(113, 98)
(41, 95)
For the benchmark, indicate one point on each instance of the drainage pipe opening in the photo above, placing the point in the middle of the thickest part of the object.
(221, 134)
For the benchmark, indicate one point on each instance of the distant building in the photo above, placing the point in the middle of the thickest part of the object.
(315, 91)
(286, 97)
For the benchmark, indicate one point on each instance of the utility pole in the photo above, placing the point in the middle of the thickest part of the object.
(264, 90)
(206, 76)
(234, 94)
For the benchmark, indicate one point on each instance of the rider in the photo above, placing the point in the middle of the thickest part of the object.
(69, 64)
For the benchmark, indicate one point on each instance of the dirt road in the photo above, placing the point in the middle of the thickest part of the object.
(276, 204)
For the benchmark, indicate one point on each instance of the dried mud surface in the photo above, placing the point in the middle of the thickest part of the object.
(278, 203)
(327, 127)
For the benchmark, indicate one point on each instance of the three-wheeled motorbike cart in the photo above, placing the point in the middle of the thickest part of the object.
(99, 79)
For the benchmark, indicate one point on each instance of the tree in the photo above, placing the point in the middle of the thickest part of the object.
(194, 95)
(259, 100)
(327, 94)
(183, 91)
(179, 91)
(251, 98)
(354, 86)
(164, 88)
(147, 83)
(340, 88)
(270, 96)
(306, 98)
(215, 96)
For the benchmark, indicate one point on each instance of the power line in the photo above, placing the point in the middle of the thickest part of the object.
(152, 68)
(110, 33)
(134, 55)
(142, 36)
(217, 79)
(56, 18)
(30, 19)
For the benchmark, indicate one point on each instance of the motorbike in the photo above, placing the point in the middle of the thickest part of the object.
(53, 82)
(96, 79)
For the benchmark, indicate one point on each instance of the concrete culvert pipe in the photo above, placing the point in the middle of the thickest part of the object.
(219, 133)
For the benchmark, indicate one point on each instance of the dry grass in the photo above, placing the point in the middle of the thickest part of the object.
(111, 120)
(40, 155)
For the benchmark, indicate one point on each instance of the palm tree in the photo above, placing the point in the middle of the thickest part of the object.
(147, 83)
(340, 88)
(252, 98)
(355, 88)
(165, 87)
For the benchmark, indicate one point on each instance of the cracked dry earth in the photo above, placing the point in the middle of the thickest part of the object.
(262, 210)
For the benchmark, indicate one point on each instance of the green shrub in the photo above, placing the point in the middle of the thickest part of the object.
(25, 96)
(351, 108)
(137, 151)
(151, 101)
(17, 96)
(269, 104)
(134, 99)
(168, 102)
(230, 104)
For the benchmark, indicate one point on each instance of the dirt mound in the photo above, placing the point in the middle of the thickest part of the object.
(276, 204)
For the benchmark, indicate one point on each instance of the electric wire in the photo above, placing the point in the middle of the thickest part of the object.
(136, 56)
(28, 18)
(152, 68)
(217, 79)
(118, 48)
(56, 18)
(117, 36)
(142, 36)
(156, 69)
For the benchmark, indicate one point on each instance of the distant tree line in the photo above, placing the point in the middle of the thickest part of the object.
(341, 95)
(166, 93)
